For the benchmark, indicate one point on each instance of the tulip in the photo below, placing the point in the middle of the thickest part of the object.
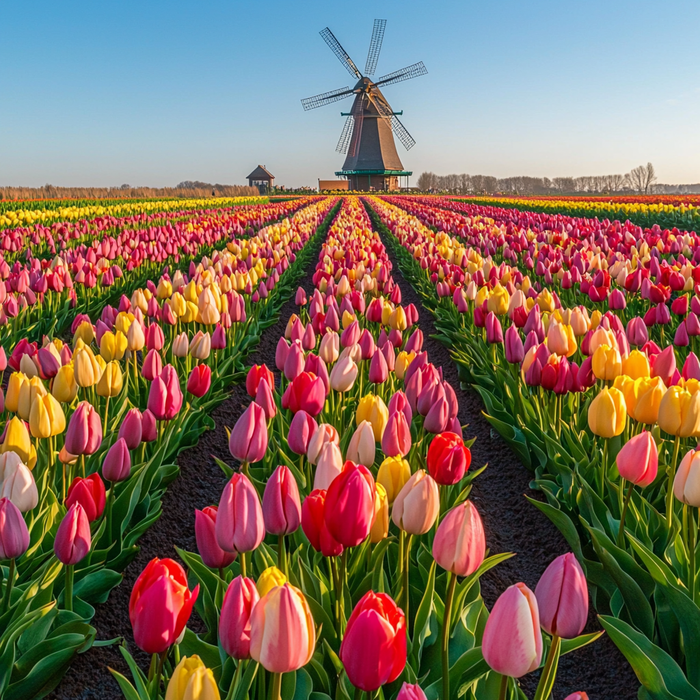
(269, 579)
(417, 505)
(580, 695)
(679, 412)
(192, 680)
(562, 598)
(638, 460)
(313, 523)
(326, 433)
(362, 446)
(84, 434)
(607, 363)
(373, 650)
(411, 692)
(199, 381)
(372, 409)
(459, 545)
(17, 440)
(130, 429)
(255, 374)
(165, 395)
(349, 505)
(329, 348)
(160, 605)
(281, 506)
(512, 641)
(90, 493)
(17, 482)
(664, 365)
(205, 534)
(234, 624)
(46, 417)
(240, 525)
(343, 375)
(329, 465)
(294, 362)
(111, 382)
(607, 413)
(71, 545)
(448, 458)
(380, 526)
(149, 429)
(248, 441)
(396, 439)
(305, 392)
(64, 387)
(282, 632)
(14, 535)
(86, 368)
(301, 430)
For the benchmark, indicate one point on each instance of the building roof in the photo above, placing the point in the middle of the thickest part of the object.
(261, 174)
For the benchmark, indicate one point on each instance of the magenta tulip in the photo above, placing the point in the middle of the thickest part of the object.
(73, 538)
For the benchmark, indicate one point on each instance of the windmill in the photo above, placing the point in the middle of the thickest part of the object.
(367, 138)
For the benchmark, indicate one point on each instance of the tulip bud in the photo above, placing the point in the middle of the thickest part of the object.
(192, 680)
(448, 458)
(248, 441)
(301, 430)
(117, 461)
(165, 396)
(234, 624)
(638, 460)
(270, 578)
(84, 434)
(349, 505)
(111, 381)
(205, 533)
(73, 539)
(281, 506)
(14, 535)
(380, 526)
(199, 381)
(411, 692)
(460, 545)
(362, 446)
(240, 525)
(607, 413)
(417, 505)
(313, 523)
(130, 429)
(90, 493)
(686, 484)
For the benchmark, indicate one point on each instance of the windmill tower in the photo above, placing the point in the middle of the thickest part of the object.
(367, 138)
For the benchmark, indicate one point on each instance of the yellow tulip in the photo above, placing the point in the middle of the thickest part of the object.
(111, 381)
(499, 300)
(64, 387)
(545, 301)
(46, 417)
(86, 369)
(270, 578)
(17, 440)
(393, 473)
(607, 413)
(206, 305)
(191, 312)
(164, 289)
(28, 394)
(648, 392)
(14, 387)
(607, 363)
(113, 346)
(373, 409)
(192, 680)
(347, 318)
(178, 304)
(403, 360)
(123, 321)
(679, 412)
(636, 365)
(85, 332)
(380, 527)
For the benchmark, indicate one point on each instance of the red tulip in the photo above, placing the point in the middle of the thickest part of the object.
(313, 523)
(73, 538)
(90, 493)
(562, 597)
(373, 650)
(234, 624)
(305, 392)
(240, 525)
(448, 458)
(160, 605)
(205, 533)
(255, 374)
(349, 511)
(281, 506)
(199, 380)
(84, 434)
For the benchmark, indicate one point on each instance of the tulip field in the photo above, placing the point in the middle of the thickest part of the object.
(343, 557)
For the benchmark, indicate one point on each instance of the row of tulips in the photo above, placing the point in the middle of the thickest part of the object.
(40, 296)
(344, 555)
(683, 213)
(595, 409)
(92, 426)
(43, 211)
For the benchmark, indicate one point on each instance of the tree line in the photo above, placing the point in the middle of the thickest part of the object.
(641, 180)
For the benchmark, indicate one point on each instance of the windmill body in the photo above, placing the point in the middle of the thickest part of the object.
(372, 161)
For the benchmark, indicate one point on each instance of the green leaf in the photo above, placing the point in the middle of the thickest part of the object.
(247, 680)
(655, 669)
(126, 687)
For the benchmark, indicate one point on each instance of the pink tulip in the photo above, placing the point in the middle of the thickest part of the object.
(165, 397)
(514, 346)
(638, 460)
(460, 545)
(117, 462)
(562, 597)
(199, 381)
(512, 641)
(266, 400)
(152, 366)
(302, 428)
(396, 439)
(417, 505)
(84, 434)
(130, 428)
(234, 624)
(281, 504)
(367, 345)
(281, 354)
(73, 539)
(149, 428)
(691, 367)
(240, 525)
(664, 365)
(411, 692)
(294, 364)
(326, 433)
(248, 441)
(14, 535)
(205, 533)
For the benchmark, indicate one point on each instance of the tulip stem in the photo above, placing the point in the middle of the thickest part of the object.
(243, 569)
(544, 687)
(358, 694)
(691, 554)
(621, 531)
(8, 589)
(341, 589)
(235, 681)
(155, 690)
(446, 619)
(671, 470)
(503, 689)
(406, 584)
(68, 591)
(276, 687)
(281, 556)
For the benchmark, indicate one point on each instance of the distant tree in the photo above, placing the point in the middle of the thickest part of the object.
(642, 178)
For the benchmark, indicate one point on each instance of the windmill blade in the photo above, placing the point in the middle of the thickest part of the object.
(375, 46)
(325, 98)
(396, 126)
(345, 135)
(340, 52)
(402, 133)
(406, 73)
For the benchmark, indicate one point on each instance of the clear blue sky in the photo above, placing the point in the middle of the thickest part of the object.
(152, 93)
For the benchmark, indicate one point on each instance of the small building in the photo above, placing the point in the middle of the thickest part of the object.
(333, 185)
(261, 178)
